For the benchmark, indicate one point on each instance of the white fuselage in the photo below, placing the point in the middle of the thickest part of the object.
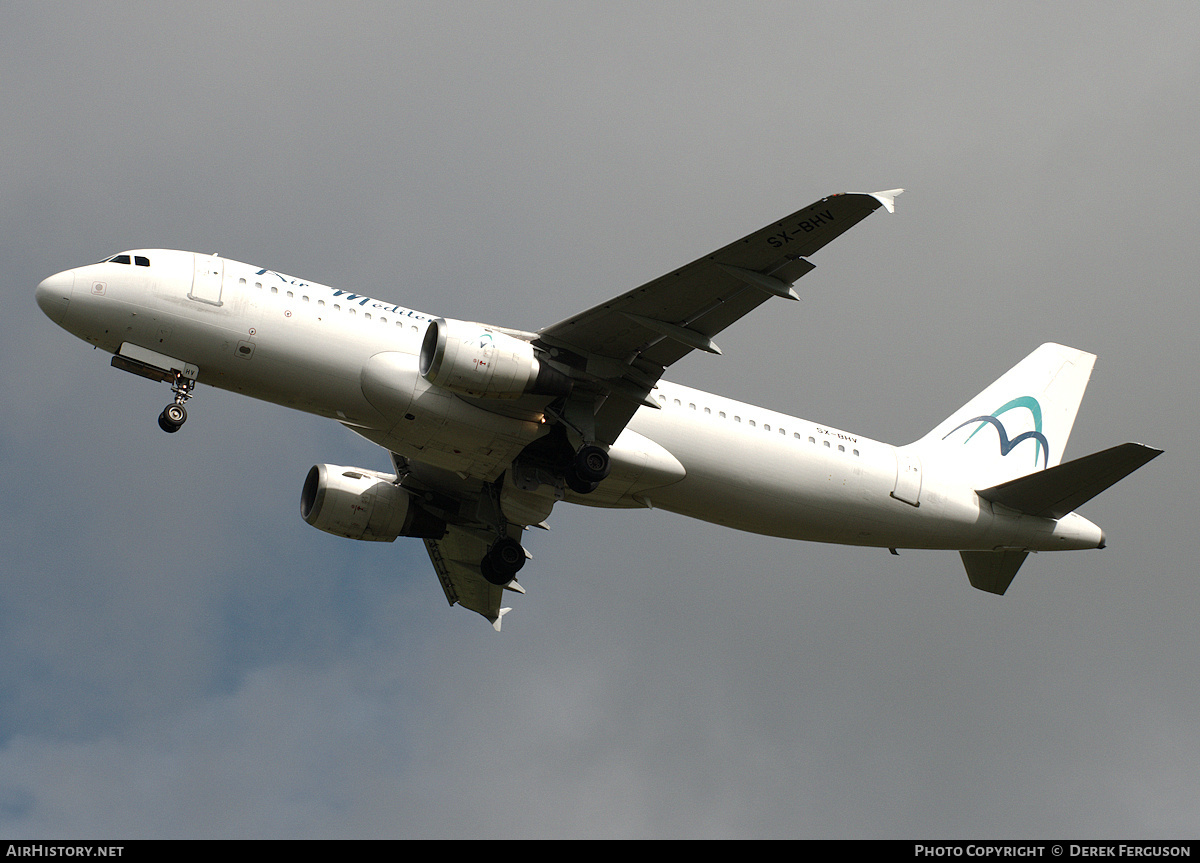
(315, 348)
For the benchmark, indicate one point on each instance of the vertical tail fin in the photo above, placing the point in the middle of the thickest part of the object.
(1018, 425)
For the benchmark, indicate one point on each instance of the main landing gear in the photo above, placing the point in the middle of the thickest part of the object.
(590, 464)
(505, 556)
(503, 561)
(174, 415)
(589, 467)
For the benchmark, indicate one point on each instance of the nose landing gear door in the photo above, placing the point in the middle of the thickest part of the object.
(206, 282)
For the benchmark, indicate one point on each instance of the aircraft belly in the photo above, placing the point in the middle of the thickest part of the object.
(429, 424)
(373, 388)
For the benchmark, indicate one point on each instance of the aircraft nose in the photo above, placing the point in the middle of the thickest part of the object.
(54, 295)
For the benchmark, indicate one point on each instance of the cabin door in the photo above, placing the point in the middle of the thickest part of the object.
(206, 282)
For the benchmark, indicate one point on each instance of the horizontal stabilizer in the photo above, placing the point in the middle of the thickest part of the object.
(1058, 490)
(992, 571)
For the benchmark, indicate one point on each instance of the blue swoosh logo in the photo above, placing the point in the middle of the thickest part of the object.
(1006, 445)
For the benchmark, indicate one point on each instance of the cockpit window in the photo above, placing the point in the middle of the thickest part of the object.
(138, 260)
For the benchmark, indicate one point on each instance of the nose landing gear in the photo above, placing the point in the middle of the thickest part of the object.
(174, 415)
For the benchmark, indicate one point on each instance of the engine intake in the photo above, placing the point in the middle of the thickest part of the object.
(362, 504)
(476, 360)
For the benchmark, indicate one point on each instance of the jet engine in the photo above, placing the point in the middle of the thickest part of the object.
(362, 504)
(476, 360)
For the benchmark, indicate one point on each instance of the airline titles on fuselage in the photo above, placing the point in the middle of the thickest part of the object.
(347, 296)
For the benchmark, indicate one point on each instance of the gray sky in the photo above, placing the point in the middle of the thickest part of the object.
(183, 656)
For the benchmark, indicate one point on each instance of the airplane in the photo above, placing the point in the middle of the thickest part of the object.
(488, 427)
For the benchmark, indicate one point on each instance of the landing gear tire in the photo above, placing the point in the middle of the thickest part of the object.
(579, 486)
(592, 463)
(172, 417)
(503, 561)
(589, 467)
(490, 575)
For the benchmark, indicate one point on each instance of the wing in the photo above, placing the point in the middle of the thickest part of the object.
(456, 558)
(620, 348)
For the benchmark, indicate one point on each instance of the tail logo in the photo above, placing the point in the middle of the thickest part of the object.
(1006, 445)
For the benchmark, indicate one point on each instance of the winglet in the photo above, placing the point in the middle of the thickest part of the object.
(500, 617)
(888, 198)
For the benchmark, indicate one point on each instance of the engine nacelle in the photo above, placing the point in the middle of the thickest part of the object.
(476, 360)
(362, 504)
